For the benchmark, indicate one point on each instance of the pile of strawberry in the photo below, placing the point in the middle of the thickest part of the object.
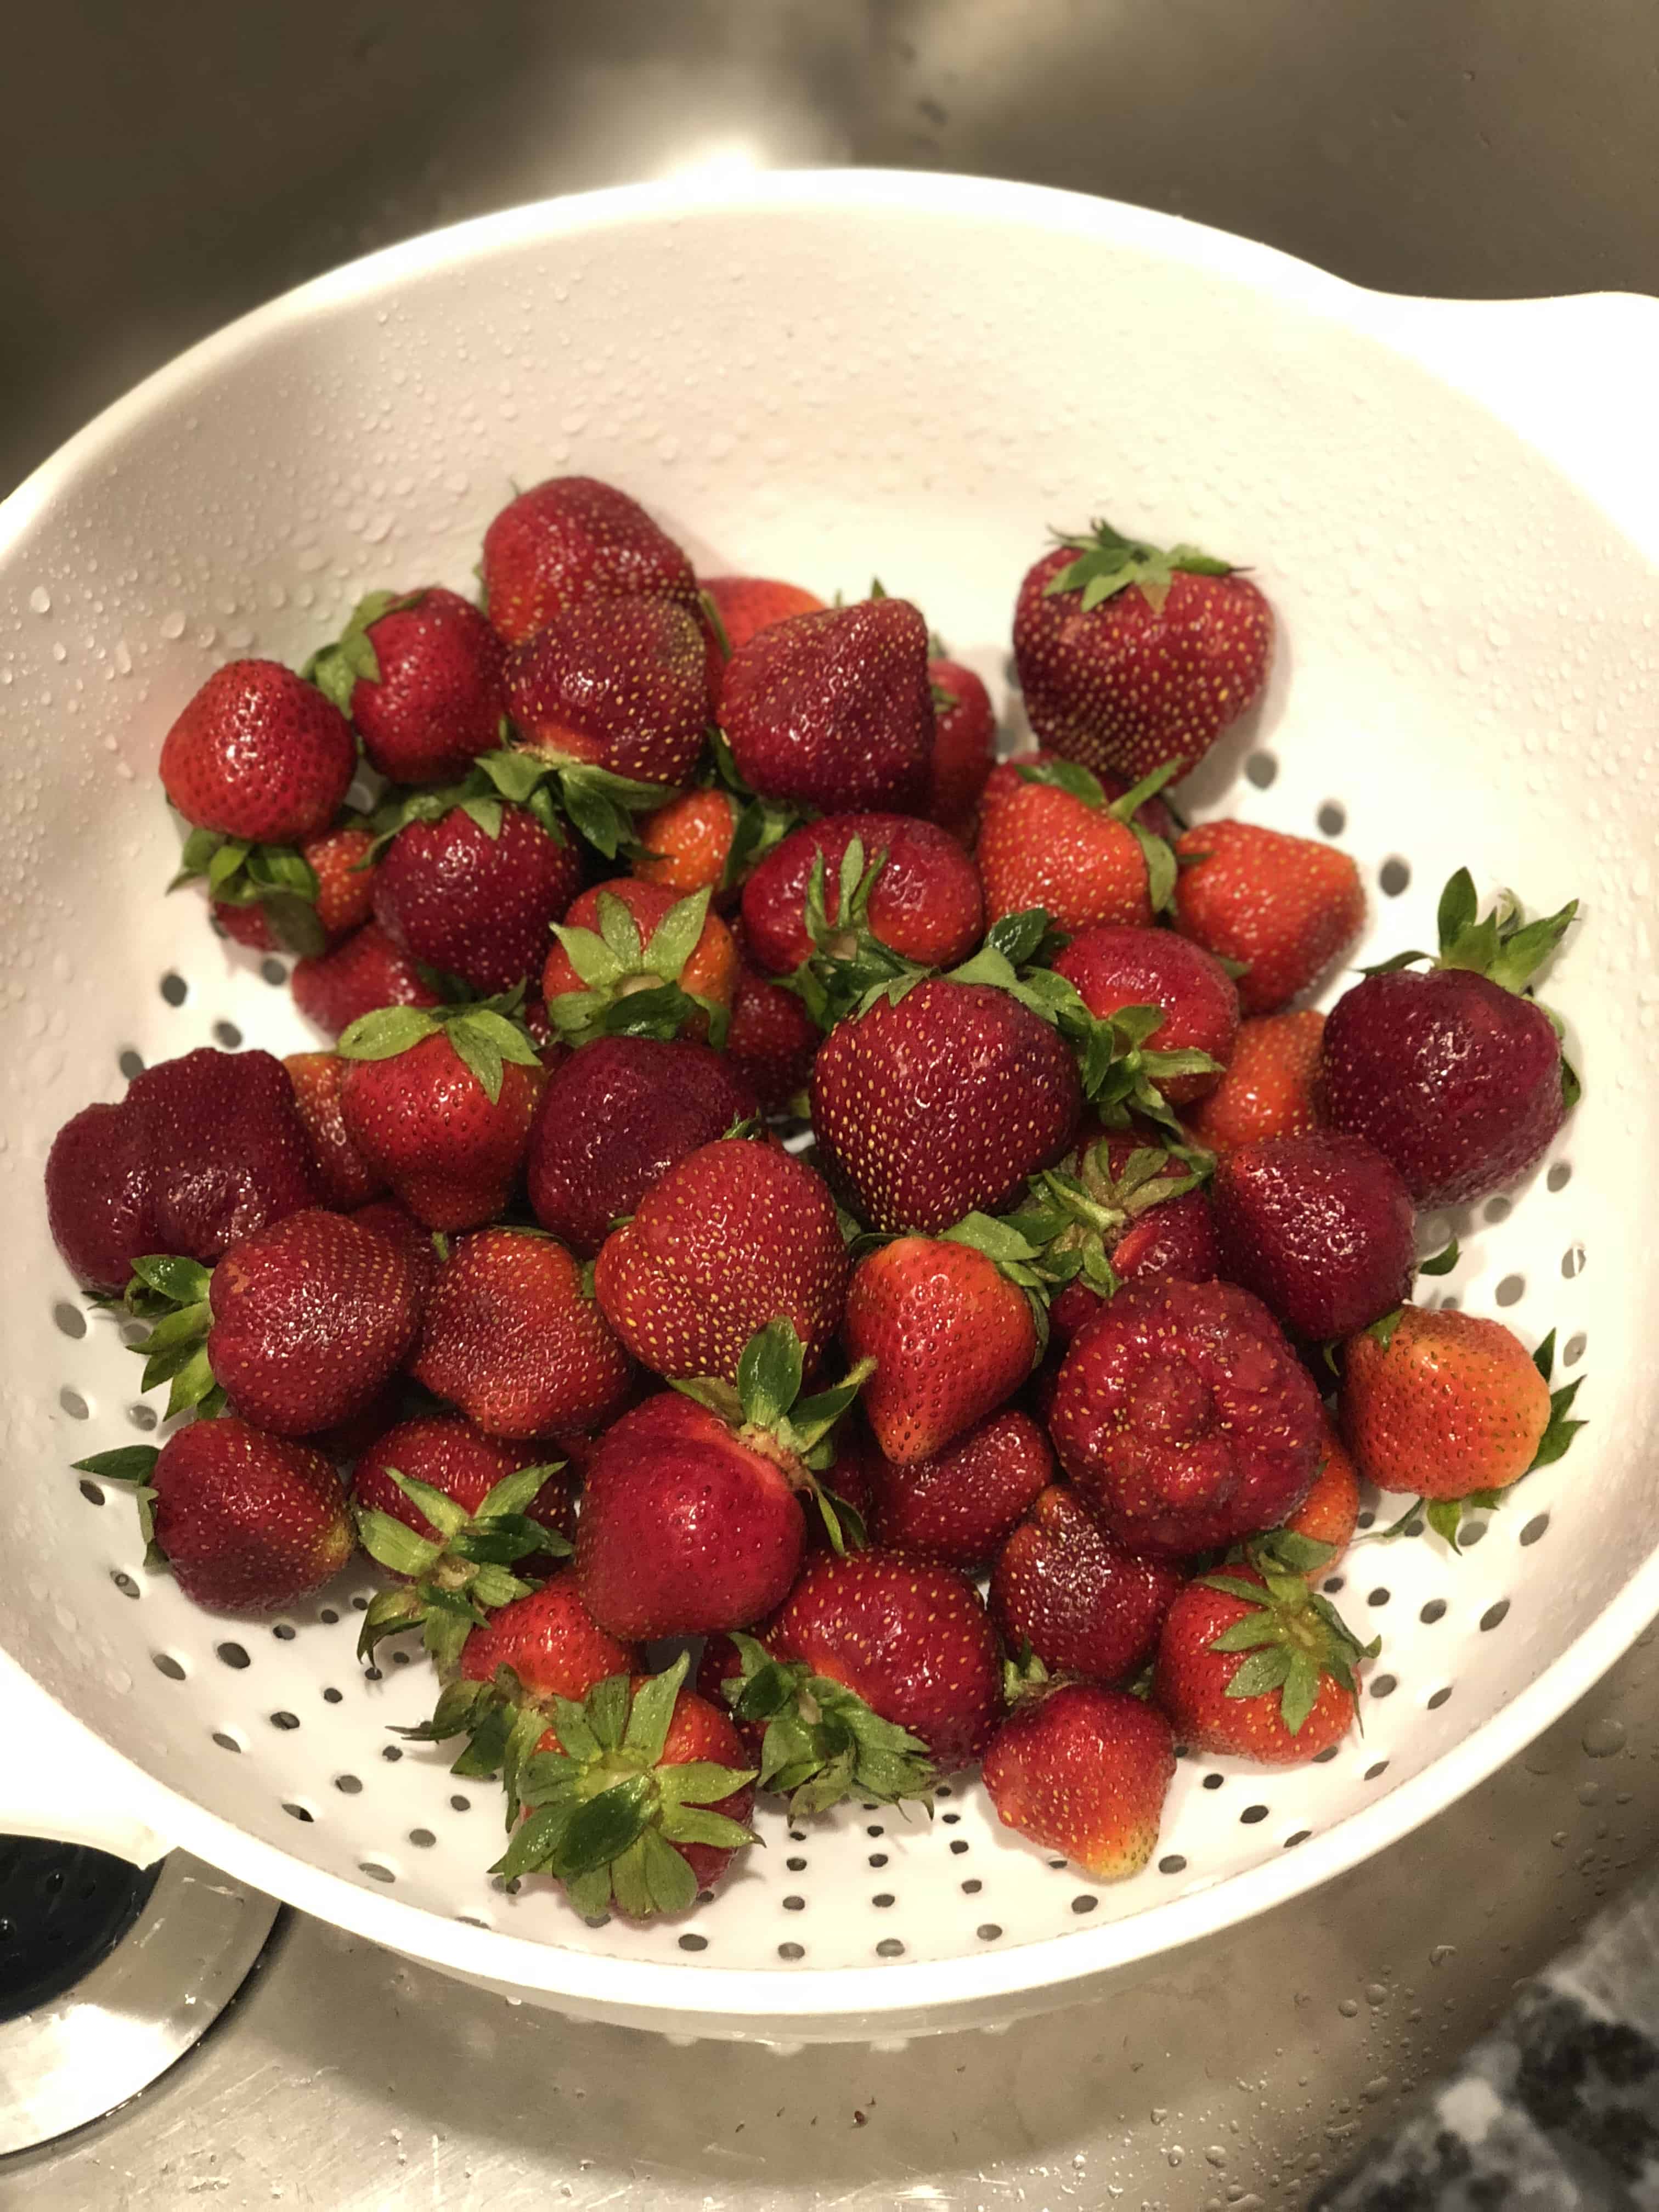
(986, 1420)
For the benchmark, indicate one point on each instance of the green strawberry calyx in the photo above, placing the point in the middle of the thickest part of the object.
(487, 1035)
(1108, 562)
(849, 961)
(758, 823)
(1082, 784)
(1291, 1639)
(1015, 1256)
(456, 1577)
(276, 878)
(823, 1743)
(601, 804)
(496, 781)
(338, 667)
(133, 1463)
(1075, 1220)
(171, 1294)
(631, 985)
(603, 1813)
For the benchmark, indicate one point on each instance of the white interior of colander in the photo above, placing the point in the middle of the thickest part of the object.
(1469, 674)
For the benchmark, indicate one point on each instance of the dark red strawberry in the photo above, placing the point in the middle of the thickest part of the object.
(771, 1041)
(572, 538)
(410, 1238)
(630, 958)
(202, 1150)
(915, 890)
(1321, 1227)
(1129, 656)
(366, 972)
(1283, 909)
(1114, 967)
(834, 709)
(745, 604)
(738, 1234)
(474, 893)
(439, 1103)
(617, 684)
(964, 741)
(450, 1456)
(1292, 1696)
(345, 1179)
(958, 1505)
(420, 674)
(511, 1336)
(273, 907)
(1268, 1089)
(1084, 1771)
(1455, 1074)
(1185, 1419)
(942, 1105)
(258, 756)
(1082, 1603)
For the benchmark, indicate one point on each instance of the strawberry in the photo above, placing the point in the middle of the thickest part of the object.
(1454, 1074)
(613, 685)
(910, 1639)
(1329, 1514)
(1185, 1419)
(462, 1464)
(345, 1179)
(743, 605)
(474, 892)
(513, 1338)
(271, 904)
(1320, 1227)
(734, 1236)
(942, 1104)
(834, 709)
(573, 538)
(1009, 777)
(814, 1740)
(686, 845)
(692, 1514)
(420, 674)
(771, 1041)
(1267, 1089)
(1058, 842)
(201, 1151)
(951, 1335)
(633, 959)
(259, 756)
(247, 1521)
(637, 1800)
(1081, 1602)
(1114, 967)
(612, 1121)
(412, 1238)
(1084, 1771)
(959, 1505)
(439, 1103)
(964, 743)
(1129, 656)
(366, 972)
(1295, 1694)
(919, 896)
(1448, 1404)
(1283, 909)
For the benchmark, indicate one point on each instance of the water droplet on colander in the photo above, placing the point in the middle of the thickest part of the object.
(1349, 2007)
(1175, 2155)
(1604, 1739)
(173, 624)
(40, 599)
(1441, 1952)
(1590, 1793)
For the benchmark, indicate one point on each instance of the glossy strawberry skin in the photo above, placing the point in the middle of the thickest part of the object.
(1329, 1513)
(617, 683)
(439, 699)
(710, 969)
(1286, 907)
(964, 741)
(950, 1336)
(410, 1238)
(748, 605)
(927, 903)
(1269, 1088)
(1190, 1679)
(550, 1642)
(202, 1150)
(1185, 1419)
(686, 1527)
(258, 754)
(358, 977)
(834, 709)
(1005, 778)
(1114, 967)
(248, 1523)
(1084, 1604)
(511, 1338)
(569, 538)
(451, 1456)
(685, 845)
(422, 1121)
(1040, 846)
(474, 906)
(736, 1235)
(958, 1505)
(771, 1040)
(912, 1639)
(942, 1105)
(1176, 1237)
(344, 1178)
(345, 892)
(1457, 1080)
(1084, 1771)
(1451, 1403)
(612, 1121)
(1320, 1227)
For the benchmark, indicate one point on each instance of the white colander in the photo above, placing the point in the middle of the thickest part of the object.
(822, 377)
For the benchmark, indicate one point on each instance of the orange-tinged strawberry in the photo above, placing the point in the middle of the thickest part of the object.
(1448, 1404)
(344, 1177)
(570, 538)
(358, 977)
(1268, 1089)
(1047, 845)
(1330, 1512)
(745, 604)
(1255, 1665)
(1286, 908)
(267, 918)
(685, 846)
(631, 957)
(1083, 1771)
(258, 756)
(1010, 775)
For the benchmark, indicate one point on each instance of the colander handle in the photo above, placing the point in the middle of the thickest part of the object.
(59, 1781)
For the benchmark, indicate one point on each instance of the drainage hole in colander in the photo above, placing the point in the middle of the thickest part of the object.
(285, 1720)
(875, 1859)
(328, 1616)
(1300, 1837)
(796, 1866)
(471, 1920)
(791, 1950)
(949, 1819)
(360, 1603)
(227, 1034)
(1332, 1583)
(400, 1658)
(1574, 1349)
(285, 1631)
(944, 1791)
(1438, 1698)
(1173, 1864)
(797, 1835)
(334, 1696)
(1393, 876)
(422, 1838)
(460, 1804)
(73, 1404)
(795, 1904)
(1572, 1261)
(877, 1830)
(232, 1655)
(694, 1942)
(1252, 1813)
(1213, 1781)
(373, 1674)
(988, 1931)
(1332, 817)
(1495, 1614)
(1512, 1290)
(174, 989)
(972, 1888)
(1535, 1528)
(375, 1871)
(165, 1663)
(299, 1813)
(1324, 1758)
(958, 1845)
(91, 1492)
(1377, 1597)
(1495, 1209)
(1261, 769)
(143, 1417)
(1559, 1175)
(1384, 1685)
(1366, 1520)
(129, 1062)
(225, 1741)
(1433, 1611)
(889, 1947)
(883, 1899)
(273, 972)
(1472, 1532)
(1372, 1772)
(348, 1785)
(69, 1320)
(123, 1581)
(1085, 1903)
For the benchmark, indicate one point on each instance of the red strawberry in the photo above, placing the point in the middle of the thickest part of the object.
(1009, 776)
(268, 918)
(1129, 657)
(617, 684)
(451, 1456)
(1084, 1771)
(686, 845)
(942, 1105)
(1320, 1227)
(1185, 1419)
(1058, 842)
(951, 1335)
(964, 740)
(736, 1235)
(1114, 967)
(814, 1740)
(1284, 908)
(1330, 1512)
(924, 901)
(632, 958)
(1268, 1089)
(344, 1178)
(513, 1340)
(410, 1238)
(202, 1150)
(420, 674)
(1454, 1074)
(572, 538)
(440, 1104)
(771, 1040)
(549, 1641)
(1082, 1603)
(614, 1120)
(258, 756)
(1293, 1696)
(366, 972)
(911, 1639)
(746, 605)
(958, 1505)
(475, 898)
(834, 709)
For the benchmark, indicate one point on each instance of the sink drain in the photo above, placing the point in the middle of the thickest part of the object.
(63, 1908)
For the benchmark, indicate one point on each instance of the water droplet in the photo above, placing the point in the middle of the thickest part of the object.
(1590, 1793)
(40, 599)
(172, 625)
(1441, 1952)
(1175, 2155)
(1376, 1993)
(1604, 1739)
(1349, 2007)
